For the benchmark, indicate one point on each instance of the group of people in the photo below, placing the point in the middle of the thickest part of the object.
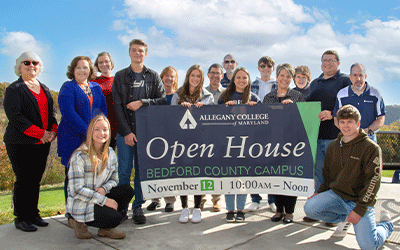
(98, 115)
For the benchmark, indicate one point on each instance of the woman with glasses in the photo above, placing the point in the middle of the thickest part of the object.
(104, 64)
(32, 126)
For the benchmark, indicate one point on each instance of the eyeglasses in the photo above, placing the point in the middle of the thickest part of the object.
(328, 61)
(264, 65)
(214, 73)
(27, 63)
(229, 62)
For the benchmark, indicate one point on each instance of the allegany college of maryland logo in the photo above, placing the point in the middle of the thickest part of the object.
(188, 122)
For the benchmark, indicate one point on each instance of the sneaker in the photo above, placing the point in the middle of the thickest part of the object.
(230, 217)
(385, 216)
(239, 216)
(153, 206)
(253, 206)
(341, 230)
(196, 217)
(216, 207)
(273, 207)
(184, 216)
(169, 207)
(138, 216)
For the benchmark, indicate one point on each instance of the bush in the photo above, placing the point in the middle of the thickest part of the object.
(7, 177)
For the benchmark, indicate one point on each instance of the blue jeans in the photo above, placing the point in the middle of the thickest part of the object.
(126, 156)
(257, 198)
(330, 207)
(230, 201)
(322, 145)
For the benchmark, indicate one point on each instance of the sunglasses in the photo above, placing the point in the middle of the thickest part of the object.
(27, 63)
(229, 62)
(263, 66)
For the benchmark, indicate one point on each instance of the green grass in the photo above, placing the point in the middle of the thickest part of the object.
(51, 202)
(387, 173)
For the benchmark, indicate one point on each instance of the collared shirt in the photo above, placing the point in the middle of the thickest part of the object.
(369, 103)
(216, 93)
(82, 185)
(261, 88)
(325, 91)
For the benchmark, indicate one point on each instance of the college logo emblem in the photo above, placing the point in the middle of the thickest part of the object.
(188, 122)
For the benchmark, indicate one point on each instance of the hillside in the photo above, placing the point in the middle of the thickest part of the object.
(393, 114)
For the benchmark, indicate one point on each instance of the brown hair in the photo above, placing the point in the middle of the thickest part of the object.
(348, 112)
(168, 69)
(184, 93)
(304, 70)
(138, 42)
(230, 90)
(331, 52)
(96, 62)
(266, 60)
(74, 63)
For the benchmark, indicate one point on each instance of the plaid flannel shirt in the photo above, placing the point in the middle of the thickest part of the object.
(81, 185)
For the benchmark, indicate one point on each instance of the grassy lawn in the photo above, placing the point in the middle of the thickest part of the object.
(51, 202)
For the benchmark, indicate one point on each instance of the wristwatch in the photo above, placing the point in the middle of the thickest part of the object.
(370, 132)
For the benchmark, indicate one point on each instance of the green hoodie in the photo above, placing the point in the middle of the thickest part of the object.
(353, 170)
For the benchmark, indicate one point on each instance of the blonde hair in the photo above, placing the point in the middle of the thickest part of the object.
(94, 160)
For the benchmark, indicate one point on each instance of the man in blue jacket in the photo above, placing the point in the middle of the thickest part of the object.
(134, 87)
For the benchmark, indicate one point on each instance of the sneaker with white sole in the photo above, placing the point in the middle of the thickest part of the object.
(385, 216)
(273, 207)
(341, 230)
(253, 207)
(184, 216)
(196, 217)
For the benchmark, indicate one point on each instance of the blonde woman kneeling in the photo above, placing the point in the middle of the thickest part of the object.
(94, 199)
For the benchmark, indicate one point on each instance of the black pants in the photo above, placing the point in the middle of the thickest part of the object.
(285, 202)
(106, 217)
(28, 163)
(197, 201)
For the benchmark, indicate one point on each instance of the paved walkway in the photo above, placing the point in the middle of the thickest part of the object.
(163, 231)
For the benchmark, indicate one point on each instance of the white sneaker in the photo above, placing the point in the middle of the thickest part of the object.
(184, 215)
(273, 207)
(385, 216)
(341, 230)
(253, 207)
(196, 217)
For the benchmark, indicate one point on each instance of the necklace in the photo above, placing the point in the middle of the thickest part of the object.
(33, 85)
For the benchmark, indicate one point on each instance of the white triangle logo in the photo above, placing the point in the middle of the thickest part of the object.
(188, 122)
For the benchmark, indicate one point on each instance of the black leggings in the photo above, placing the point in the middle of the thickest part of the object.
(106, 217)
(285, 202)
(197, 201)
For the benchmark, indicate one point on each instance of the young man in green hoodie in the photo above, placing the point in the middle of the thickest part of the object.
(351, 180)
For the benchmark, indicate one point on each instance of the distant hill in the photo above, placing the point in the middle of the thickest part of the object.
(393, 114)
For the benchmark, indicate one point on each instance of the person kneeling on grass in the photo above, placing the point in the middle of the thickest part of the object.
(351, 180)
(94, 199)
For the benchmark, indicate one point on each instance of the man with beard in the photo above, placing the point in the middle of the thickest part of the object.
(365, 98)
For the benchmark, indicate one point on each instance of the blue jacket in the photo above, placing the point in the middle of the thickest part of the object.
(76, 116)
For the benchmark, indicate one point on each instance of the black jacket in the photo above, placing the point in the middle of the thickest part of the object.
(22, 111)
(124, 91)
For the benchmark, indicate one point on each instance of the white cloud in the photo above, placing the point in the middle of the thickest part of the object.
(14, 43)
(204, 31)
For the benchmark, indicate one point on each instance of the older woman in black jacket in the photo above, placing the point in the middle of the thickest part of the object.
(31, 128)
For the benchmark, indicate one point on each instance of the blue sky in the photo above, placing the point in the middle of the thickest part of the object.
(186, 32)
